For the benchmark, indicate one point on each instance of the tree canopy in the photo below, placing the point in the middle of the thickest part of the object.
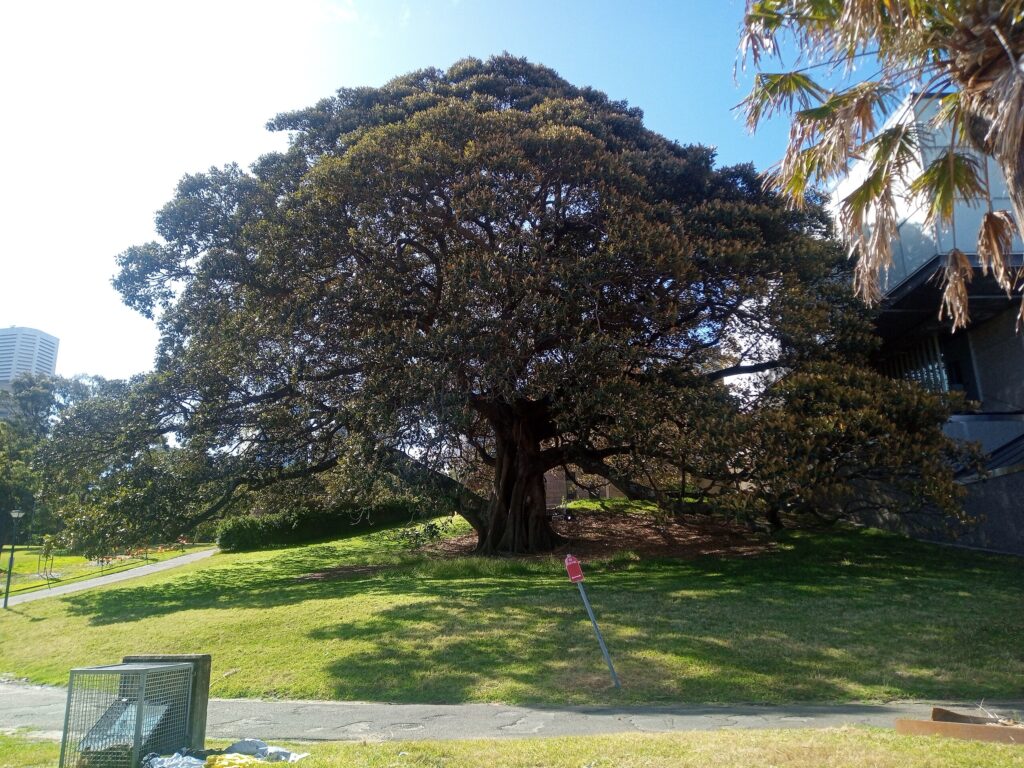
(29, 409)
(484, 265)
(966, 53)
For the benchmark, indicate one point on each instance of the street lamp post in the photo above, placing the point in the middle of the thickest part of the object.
(15, 515)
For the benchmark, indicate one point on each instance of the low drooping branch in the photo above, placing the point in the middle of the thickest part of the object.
(633, 490)
(416, 473)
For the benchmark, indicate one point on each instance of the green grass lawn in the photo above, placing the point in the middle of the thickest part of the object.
(827, 617)
(66, 569)
(837, 748)
(621, 505)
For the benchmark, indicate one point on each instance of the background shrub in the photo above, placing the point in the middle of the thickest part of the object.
(302, 525)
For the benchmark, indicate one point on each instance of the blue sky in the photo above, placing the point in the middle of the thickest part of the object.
(108, 103)
(673, 59)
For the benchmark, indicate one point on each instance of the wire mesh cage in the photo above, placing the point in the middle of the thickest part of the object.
(118, 713)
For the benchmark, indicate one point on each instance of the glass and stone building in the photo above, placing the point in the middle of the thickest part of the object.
(26, 350)
(985, 361)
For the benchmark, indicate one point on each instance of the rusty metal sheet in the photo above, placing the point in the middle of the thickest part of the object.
(1001, 734)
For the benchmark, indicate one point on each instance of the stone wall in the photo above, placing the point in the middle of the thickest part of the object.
(994, 507)
(997, 507)
(999, 360)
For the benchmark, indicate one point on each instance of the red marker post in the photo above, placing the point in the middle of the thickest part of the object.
(575, 571)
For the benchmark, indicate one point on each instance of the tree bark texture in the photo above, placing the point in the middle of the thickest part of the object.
(517, 518)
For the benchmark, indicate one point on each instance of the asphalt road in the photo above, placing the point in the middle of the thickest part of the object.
(41, 708)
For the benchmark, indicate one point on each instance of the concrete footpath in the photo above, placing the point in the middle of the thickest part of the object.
(42, 708)
(113, 578)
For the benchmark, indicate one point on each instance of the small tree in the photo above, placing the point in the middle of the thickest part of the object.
(31, 407)
(967, 53)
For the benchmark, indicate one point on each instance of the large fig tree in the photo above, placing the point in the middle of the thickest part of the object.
(487, 259)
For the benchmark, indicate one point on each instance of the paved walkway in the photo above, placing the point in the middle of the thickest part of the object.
(113, 578)
(42, 708)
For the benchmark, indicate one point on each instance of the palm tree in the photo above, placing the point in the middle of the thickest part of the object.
(966, 54)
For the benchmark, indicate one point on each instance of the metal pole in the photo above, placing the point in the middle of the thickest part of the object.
(10, 563)
(597, 631)
(140, 710)
(67, 717)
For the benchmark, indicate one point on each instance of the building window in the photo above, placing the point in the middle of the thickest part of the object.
(922, 363)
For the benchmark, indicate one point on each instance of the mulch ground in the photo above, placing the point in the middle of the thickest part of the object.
(601, 534)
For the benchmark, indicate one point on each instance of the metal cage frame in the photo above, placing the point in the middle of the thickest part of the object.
(118, 713)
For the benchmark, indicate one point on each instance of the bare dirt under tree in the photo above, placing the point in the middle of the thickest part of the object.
(606, 532)
(602, 533)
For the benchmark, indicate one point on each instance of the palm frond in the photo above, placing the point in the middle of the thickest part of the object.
(856, 107)
(951, 113)
(793, 176)
(956, 275)
(952, 175)
(869, 222)
(995, 239)
(950, 109)
(1005, 106)
(810, 21)
(780, 91)
(868, 217)
(823, 138)
(762, 20)
(975, 49)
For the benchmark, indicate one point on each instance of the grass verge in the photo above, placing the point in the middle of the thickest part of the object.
(836, 748)
(824, 617)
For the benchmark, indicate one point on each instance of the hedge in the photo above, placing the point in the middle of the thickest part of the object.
(299, 526)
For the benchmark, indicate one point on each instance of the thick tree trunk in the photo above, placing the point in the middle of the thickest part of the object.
(517, 519)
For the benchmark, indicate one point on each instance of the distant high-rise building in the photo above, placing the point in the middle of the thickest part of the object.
(26, 350)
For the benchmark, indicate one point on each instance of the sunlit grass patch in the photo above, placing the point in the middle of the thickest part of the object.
(833, 748)
(820, 617)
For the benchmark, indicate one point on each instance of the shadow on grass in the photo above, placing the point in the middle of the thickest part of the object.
(829, 617)
(457, 650)
(740, 636)
(24, 615)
